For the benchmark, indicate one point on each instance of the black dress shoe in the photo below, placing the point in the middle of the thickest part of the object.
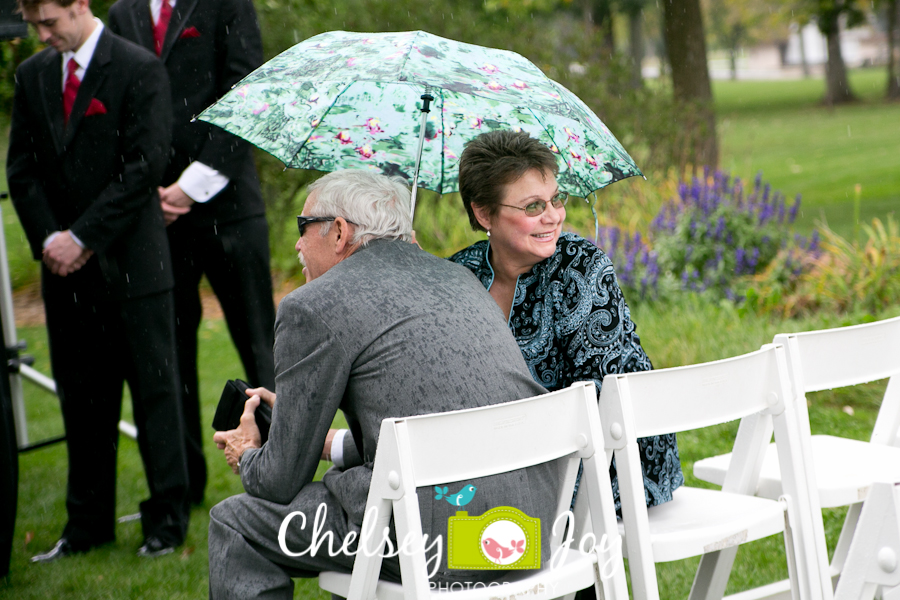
(62, 549)
(154, 547)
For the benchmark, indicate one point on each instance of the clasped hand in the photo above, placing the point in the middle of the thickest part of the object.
(63, 256)
(174, 202)
(236, 441)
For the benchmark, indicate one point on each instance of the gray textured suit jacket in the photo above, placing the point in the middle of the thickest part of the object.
(391, 331)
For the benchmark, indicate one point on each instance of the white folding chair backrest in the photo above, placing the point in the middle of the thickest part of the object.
(754, 388)
(416, 452)
(845, 356)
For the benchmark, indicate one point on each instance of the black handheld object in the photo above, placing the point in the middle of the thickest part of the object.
(231, 407)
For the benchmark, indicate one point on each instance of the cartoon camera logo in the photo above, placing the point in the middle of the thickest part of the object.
(501, 538)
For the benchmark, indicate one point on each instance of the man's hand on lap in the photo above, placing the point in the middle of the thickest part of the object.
(236, 441)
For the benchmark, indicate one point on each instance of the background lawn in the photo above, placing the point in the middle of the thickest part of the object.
(779, 127)
(801, 146)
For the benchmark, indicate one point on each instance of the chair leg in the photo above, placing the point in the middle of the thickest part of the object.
(712, 574)
(793, 576)
(843, 544)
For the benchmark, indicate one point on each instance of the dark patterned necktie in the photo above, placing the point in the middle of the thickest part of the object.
(70, 91)
(162, 24)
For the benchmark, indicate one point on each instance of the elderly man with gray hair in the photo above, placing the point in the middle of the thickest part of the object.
(381, 329)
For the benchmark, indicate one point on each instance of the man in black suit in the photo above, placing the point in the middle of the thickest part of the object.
(211, 196)
(86, 154)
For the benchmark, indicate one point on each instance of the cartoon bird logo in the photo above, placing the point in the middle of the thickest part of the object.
(498, 552)
(460, 498)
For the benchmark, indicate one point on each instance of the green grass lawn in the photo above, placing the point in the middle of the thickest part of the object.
(801, 146)
(673, 334)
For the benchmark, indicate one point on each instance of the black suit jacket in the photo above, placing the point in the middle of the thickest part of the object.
(98, 175)
(210, 45)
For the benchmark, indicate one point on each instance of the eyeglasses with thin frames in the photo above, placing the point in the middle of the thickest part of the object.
(537, 208)
(302, 222)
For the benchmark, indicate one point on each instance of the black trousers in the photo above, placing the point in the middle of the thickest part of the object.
(94, 348)
(235, 259)
(9, 472)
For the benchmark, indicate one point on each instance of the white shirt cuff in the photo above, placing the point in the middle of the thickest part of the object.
(201, 182)
(337, 448)
(53, 235)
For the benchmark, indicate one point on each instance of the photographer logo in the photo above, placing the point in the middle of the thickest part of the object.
(501, 538)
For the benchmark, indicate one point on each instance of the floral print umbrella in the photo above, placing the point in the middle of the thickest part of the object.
(344, 100)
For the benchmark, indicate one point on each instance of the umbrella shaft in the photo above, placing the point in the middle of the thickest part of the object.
(412, 205)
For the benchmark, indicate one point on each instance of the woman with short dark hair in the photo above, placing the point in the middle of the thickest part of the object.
(558, 291)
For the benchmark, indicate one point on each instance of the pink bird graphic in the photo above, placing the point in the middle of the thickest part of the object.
(493, 549)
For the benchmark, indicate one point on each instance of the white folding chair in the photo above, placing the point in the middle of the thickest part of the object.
(753, 388)
(844, 468)
(874, 553)
(562, 426)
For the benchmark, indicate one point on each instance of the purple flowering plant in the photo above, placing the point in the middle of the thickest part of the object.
(709, 239)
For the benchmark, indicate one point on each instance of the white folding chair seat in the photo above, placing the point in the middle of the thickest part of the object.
(697, 521)
(755, 389)
(844, 469)
(562, 426)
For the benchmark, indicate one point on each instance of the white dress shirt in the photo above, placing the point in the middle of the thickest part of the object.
(83, 55)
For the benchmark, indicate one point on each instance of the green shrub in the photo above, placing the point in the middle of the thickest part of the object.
(12, 53)
(846, 277)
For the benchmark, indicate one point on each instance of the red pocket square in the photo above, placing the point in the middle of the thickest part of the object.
(95, 108)
(190, 32)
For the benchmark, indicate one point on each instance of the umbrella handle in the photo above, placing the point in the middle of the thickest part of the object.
(427, 98)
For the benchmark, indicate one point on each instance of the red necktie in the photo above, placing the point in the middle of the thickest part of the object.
(159, 30)
(71, 89)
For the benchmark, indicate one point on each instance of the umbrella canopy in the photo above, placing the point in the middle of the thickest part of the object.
(344, 100)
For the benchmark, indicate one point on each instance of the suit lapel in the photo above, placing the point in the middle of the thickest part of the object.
(180, 13)
(142, 22)
(93, 79)
(51, 96)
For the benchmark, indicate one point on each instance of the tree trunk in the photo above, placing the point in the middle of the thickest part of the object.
(603, 16)
(686, 51)
(803, 61)
(636, 47)
(732, 55)
(837, 89)
(893, 65)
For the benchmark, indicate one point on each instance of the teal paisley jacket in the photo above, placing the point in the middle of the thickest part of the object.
(572, 324)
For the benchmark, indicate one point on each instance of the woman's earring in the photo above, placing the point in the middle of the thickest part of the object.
(489, 233)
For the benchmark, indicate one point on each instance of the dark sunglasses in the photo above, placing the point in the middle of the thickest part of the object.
(302, 222)
(537, 208)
